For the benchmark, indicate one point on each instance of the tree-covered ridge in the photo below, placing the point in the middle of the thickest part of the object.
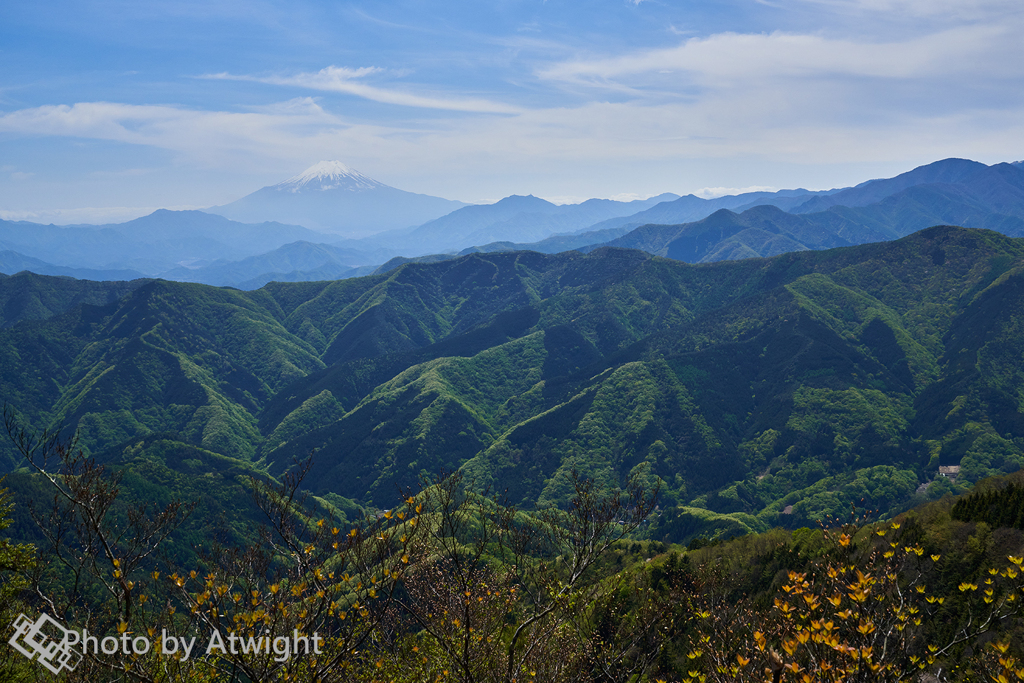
(756, 392)
(27, 296)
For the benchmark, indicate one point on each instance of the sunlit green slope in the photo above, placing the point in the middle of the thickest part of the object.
(755, 393)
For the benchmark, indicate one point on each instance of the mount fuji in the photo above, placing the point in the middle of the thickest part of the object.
(331, 197)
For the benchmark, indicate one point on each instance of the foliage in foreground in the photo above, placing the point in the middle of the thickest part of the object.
(454, 586)
(863, 611)
(451, 585)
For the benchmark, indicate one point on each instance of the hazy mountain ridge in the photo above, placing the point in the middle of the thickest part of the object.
(12, 262)
(975, 195)
(152, 244)
(992, 197)
(691, 208)
(976, 178)
(519, 218)
(193, 246)
(300, 256)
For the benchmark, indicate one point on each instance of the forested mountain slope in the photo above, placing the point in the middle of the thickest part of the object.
(811, 380)
(27, 296)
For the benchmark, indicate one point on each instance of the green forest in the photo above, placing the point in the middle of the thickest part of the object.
(754, 394)
(782, 417)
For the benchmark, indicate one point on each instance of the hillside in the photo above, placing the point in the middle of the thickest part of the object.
(809, 380)
(27, 296)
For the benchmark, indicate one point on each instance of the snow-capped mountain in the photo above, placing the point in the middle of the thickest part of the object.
(331, 197)
(328, 175)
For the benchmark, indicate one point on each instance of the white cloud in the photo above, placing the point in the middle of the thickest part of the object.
(559, 152)
(345, 80)
(728, 60)
(791, 98)
(214, 138)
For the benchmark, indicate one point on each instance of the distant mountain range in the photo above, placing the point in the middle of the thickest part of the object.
(518, 218)
(333, 198)
(194, 246)
(14, 262)
(950, 192)
(997, 186)
(150, 245)
(325, 261)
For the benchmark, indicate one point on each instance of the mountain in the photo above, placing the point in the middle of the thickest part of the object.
(328, 261)
(996, 189)
(150, 245)
(952, 191)
(692, 208)
(331, 197)
(669, 209)
(28, 296)
(12, 262)
(760, 231)
(515, 215)
(554, 244)
(809, 379)
(517, 219)
(998, 185)
(202, 247)
(970, 194)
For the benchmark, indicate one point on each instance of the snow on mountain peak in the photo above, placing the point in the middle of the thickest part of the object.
(329, 175)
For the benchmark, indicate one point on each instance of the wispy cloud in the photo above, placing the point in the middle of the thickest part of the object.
(799, 98)
(726, 60)
(214, 138)
(565, 147)
(348, 81)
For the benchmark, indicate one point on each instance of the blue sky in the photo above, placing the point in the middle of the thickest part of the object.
(109, 109)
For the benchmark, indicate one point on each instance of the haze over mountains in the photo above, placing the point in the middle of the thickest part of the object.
(314, 209)
(520, 219)
(148, 246)
(952, 191)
